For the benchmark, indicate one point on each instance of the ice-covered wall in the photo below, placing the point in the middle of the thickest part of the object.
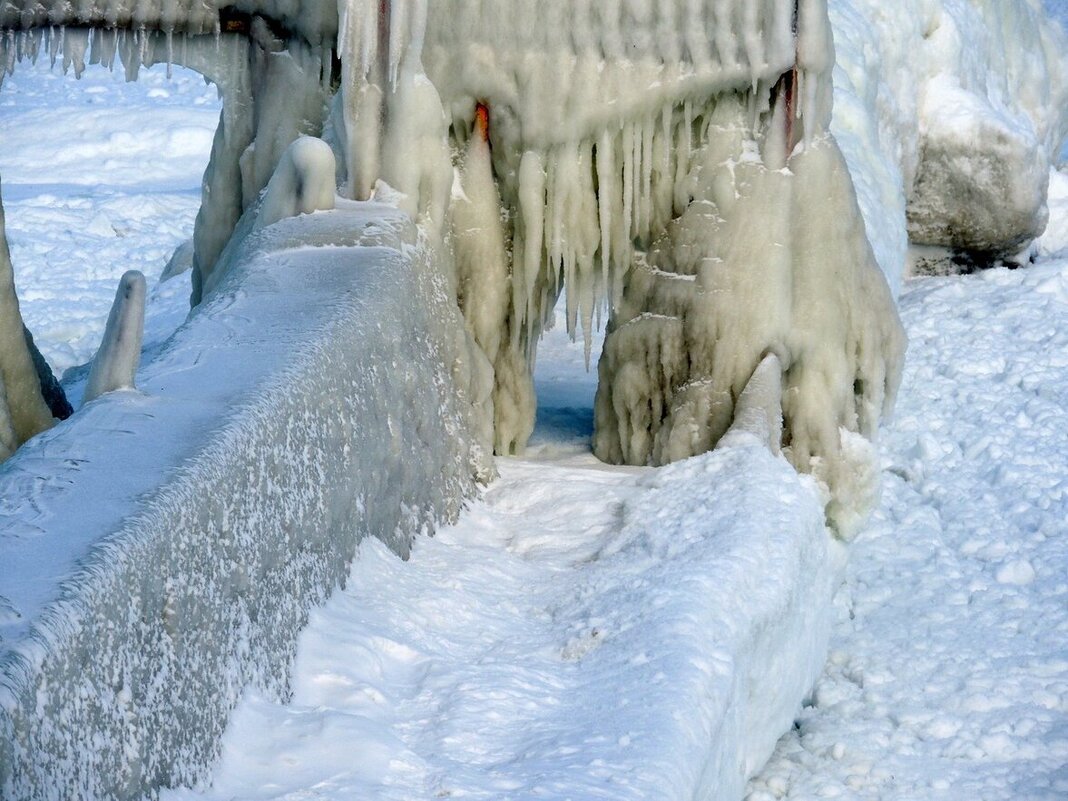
(160, 550)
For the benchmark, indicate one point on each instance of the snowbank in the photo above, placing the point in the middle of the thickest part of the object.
(161, 549)
(582, 632)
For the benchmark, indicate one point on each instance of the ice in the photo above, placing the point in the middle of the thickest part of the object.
(115, 363)
(23, 410)
(303, 182)
(139, 599)
(688, 336)
(581, 152)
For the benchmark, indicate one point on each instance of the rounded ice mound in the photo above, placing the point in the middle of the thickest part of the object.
(302, 182)
(116, 363)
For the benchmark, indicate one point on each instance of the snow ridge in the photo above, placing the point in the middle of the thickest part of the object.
(582, 632)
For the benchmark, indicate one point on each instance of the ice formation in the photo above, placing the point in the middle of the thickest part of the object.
(115, 364)
(23, 409)
(950, 115)
(605, 162)
(662, 162)
(542, 162)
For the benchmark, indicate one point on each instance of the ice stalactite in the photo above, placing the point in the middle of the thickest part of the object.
(115, 364)
(23, 409)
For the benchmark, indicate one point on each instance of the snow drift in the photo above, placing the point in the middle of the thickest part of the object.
(161, 549)
(582, 632)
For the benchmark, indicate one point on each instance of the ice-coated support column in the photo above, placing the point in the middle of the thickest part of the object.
(23, 411)
(115, 364)
(761, 260)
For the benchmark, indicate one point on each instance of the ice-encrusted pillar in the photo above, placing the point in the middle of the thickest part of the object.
(769, 256)
(23, 410)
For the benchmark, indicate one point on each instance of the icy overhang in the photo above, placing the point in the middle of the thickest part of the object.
(316, 22)
(561, 71)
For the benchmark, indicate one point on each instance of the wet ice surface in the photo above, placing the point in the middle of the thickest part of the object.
(948, 675)
(99, 177)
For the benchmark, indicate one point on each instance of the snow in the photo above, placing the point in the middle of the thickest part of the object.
(123, 196)
(947, 677)
(1054, 241)
(584, 631)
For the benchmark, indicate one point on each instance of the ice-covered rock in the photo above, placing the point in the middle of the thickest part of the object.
(949, 114)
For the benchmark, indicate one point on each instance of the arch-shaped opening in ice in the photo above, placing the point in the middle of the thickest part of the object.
(273, 86)
(100, 175)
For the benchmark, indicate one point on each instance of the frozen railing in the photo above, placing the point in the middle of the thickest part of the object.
(160, 550)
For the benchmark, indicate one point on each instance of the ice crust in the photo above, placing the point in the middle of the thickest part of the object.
(316, 387)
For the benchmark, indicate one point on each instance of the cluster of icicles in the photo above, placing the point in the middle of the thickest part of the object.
(703, 208)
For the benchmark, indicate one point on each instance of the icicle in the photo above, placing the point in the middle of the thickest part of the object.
(606, 191)
(532, 215)
(170, 53)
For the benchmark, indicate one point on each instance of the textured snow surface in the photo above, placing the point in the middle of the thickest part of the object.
(948, 676)
(583, 632)
(100, 176)
(161, 548)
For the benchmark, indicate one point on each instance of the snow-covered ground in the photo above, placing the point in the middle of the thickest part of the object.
(525, 648)
(948, 675)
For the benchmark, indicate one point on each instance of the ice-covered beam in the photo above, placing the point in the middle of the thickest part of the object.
(323, 388)
(315, 22)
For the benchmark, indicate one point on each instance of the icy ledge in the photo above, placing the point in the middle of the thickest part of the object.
(582, 632)
(160, 550)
